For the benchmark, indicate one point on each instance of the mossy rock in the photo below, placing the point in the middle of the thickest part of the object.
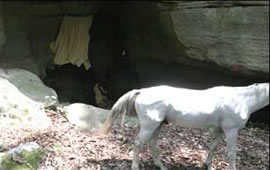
(25, 159)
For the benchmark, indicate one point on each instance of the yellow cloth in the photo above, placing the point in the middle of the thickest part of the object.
(71, 45)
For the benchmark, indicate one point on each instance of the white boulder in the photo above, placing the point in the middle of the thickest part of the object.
(23, 97)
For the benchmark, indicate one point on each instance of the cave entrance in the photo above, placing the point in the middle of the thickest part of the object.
(132, 45)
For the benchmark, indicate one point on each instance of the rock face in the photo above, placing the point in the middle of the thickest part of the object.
(2, 31)
(26, 43)
(230, 34)
(22, 99)
(236, 38)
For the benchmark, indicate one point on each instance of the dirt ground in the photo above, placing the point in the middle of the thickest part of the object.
(69, 148)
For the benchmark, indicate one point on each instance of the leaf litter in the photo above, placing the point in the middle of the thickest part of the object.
(69, 148)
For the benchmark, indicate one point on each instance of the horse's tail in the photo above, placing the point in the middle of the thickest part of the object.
(124, 105)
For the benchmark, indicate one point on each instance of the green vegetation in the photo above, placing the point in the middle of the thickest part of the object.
(23, 161)
(25, 112)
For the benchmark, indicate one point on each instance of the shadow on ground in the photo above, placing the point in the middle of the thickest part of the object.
(125, 164)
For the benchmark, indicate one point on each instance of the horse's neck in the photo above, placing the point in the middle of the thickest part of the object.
(255, 99)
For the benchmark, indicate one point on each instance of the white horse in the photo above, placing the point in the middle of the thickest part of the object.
(226, 109)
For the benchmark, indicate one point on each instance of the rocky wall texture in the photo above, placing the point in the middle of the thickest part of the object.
(230, 34)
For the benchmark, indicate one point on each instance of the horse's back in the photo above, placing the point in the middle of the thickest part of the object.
(185, 107)
(161, 93)
(188, 107)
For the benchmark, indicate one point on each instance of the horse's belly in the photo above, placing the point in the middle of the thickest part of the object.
(195, 120)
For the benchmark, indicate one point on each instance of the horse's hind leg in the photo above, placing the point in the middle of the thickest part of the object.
(138, 144)
(218, 132)
(144, 135)
(154, 151)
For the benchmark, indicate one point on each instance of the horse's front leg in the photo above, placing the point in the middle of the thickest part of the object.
(217, 135)
(154, 151)
(231, 136)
